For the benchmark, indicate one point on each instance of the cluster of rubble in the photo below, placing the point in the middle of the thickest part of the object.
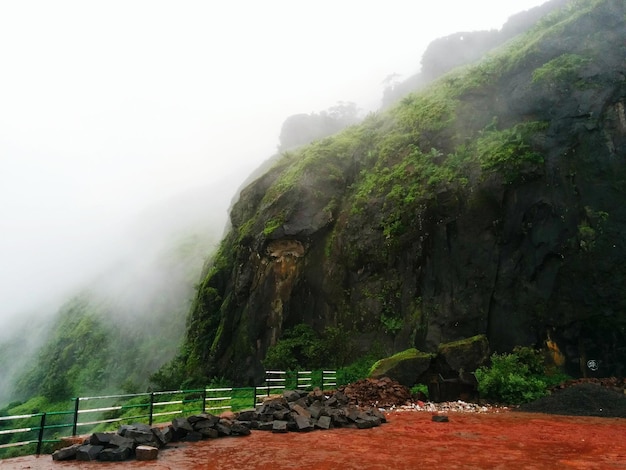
(301, 411)
(294, 410)
(382, 393)
(143, 441)
(458, 406)
(390, 395)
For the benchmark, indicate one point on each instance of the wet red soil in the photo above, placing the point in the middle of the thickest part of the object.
(410, 440)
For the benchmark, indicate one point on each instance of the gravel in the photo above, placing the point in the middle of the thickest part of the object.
(581, 399)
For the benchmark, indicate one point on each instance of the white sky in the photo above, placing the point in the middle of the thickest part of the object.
(107, 107)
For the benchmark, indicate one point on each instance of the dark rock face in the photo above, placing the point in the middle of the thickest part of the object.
(524, 244)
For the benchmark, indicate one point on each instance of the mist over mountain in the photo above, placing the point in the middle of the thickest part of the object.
(121, 323)
(489, 203)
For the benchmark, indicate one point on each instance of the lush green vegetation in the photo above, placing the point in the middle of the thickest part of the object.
(517, 377)
(561, 70)
(509, 151)
(302, 348)
(419, 389)
(78, 356)
(88, 354)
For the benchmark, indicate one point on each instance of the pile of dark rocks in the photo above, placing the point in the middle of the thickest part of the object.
(294, 410)
(143, 442)
(301, 411)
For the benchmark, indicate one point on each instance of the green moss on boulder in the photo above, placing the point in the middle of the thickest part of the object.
(466, 354)
(405, 366)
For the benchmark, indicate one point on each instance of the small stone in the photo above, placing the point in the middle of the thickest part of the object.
(323, 422)
(161, 438)
(301, 411)
(228, 415)
(209, 433)
(115, 454)
(315, 410)
(120, 441)
(266, 426)
(181, 426)
(279, 426)
(146, 453)
(223, 429)
(248, 415)
(291, 395)
(100, 438)
(193, 436)
(141, 437)
(88, 452)
(238, 429)
(67, 453)
(363, 423)
(303, 423)
(281, 415)
(440, 418)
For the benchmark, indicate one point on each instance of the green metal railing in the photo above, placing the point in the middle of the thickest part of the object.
(101, 413)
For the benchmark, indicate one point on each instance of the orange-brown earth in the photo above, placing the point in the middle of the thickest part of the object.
(496, 440)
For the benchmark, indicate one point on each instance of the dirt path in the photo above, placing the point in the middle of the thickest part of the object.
(505, 440)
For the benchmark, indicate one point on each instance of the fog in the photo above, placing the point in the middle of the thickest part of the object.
(111, 110)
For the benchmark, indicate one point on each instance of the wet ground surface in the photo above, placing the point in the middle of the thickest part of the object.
(410, 440)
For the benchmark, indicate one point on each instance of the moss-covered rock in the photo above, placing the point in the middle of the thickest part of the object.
(465, 354)
(406, 366)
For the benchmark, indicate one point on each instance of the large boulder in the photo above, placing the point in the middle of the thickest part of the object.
(465, 355)
(405, 367)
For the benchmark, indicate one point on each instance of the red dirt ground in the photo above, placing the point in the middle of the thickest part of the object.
(410, 440)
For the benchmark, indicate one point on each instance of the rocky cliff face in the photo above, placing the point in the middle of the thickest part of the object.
(490, 203)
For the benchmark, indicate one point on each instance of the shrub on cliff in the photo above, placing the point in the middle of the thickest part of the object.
(515, 378)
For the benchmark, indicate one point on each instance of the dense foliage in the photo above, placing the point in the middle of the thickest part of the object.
(302, 348)
(517, 377)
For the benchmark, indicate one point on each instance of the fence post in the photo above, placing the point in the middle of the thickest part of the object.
(204, 400)
(42, 425)
(254, 398)
(329, 379)
(151, 408)
(75, 416)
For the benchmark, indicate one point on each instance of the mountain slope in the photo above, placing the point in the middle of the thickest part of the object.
(111, 341)
(491, 203)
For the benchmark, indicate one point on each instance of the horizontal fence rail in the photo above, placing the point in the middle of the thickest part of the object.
(100, 413)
